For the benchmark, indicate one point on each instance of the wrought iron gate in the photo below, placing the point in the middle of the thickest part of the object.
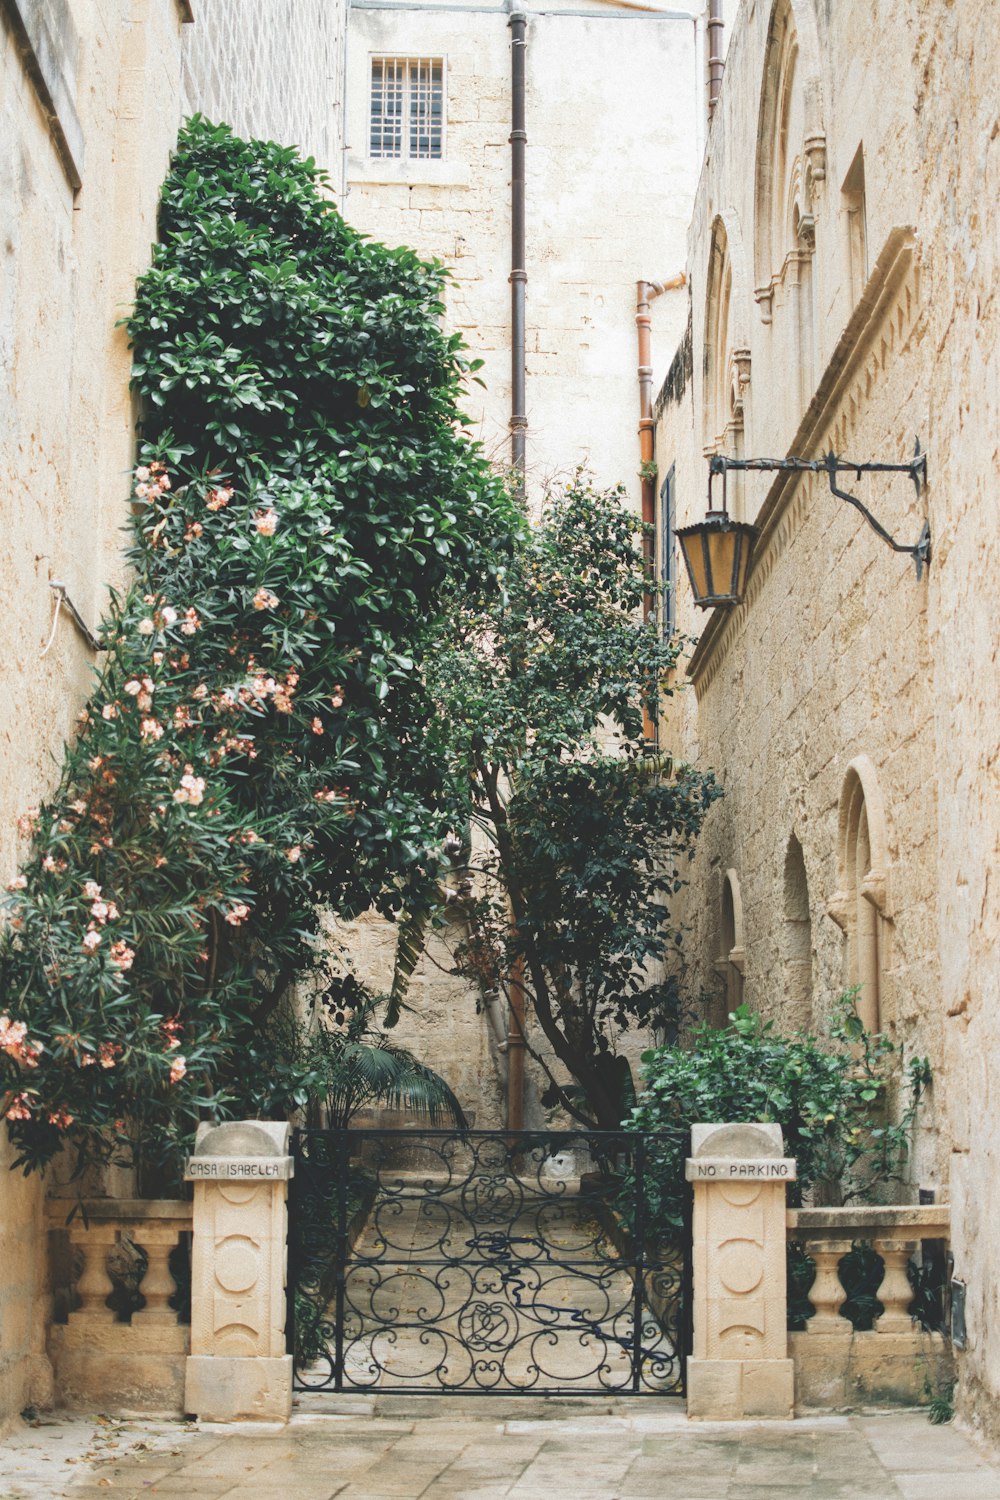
(483, 1262)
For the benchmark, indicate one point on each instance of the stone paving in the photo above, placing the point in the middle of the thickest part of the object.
(454, 1448)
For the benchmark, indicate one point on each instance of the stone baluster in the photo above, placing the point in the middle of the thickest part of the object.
(157, 1285)
(826, 1293)
(895, 1293)
(94, 1285)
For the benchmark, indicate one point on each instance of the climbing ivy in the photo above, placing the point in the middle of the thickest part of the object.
(304, 506)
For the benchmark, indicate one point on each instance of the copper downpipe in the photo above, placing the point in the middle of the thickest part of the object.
(515, 1048)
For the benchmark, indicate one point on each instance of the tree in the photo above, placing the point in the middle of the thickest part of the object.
(256, 742)
(581, 830)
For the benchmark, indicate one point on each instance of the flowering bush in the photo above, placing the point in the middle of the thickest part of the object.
(255, 744)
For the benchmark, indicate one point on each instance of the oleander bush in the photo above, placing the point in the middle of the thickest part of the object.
(255, 747)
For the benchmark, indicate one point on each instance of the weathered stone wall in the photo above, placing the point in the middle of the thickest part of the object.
(272, 69)
(613, 110)
(91, 101)
(839, 657)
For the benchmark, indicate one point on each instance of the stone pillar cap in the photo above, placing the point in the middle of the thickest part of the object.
(740, 1141)
(243, 1138)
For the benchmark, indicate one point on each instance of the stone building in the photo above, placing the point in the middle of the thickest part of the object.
(615, 115)
(92, 100)
(842, 264)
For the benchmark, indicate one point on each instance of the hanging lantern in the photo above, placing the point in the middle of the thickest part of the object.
(717, 551)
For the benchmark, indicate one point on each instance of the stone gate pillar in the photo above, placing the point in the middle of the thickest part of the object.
(740, 1366)
(238, 1367)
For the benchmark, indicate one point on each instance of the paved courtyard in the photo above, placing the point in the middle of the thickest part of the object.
(453, 1448)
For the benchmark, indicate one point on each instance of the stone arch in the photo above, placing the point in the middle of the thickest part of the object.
(861, 906)
(797, 945)
(731, 961)
(718, 339)
(726, 363)
(791, 146)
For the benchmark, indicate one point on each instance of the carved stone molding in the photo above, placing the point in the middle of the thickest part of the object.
(814, 147)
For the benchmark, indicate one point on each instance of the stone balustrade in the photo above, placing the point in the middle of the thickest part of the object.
(98, 1356)
(837, 1366)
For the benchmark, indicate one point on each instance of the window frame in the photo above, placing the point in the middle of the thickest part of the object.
(668, 552)
(409, 62)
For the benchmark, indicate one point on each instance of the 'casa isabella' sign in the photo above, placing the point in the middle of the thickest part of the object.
(214, 1169)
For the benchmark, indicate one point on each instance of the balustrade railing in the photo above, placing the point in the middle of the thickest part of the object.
(123, 1342)
(895, 1233)
(904, 1355)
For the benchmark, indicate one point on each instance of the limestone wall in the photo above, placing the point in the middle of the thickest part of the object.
(91, 101)
(818, 337)
(613, 113)
(271, 69)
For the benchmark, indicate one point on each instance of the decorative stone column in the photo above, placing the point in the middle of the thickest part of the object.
(740, 1366)
(238, 1367)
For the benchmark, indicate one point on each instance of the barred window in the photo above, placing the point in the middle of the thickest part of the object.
(407, 107)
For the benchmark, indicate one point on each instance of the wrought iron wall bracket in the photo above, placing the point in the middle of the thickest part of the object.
(916, 469)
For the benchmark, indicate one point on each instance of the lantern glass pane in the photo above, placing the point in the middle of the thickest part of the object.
(722, 545)
(694, 555)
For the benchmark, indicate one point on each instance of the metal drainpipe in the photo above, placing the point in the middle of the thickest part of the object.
(716, 65)
(518, 273)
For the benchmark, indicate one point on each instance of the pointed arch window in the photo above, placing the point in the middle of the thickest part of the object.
(861, 905)
(731, 962)
(797, 942)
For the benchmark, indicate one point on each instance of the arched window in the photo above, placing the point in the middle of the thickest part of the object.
(727, 359)
(791, 163)
(861, 905)
(730, 963)
(797, 937)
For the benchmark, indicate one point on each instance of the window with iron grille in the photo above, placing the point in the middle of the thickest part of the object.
(407, 108)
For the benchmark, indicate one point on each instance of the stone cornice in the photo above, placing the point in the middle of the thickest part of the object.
(777, 519)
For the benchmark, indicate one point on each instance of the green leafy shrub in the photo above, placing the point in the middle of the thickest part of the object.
(832, 1101)
(256, 742)
(545, 694)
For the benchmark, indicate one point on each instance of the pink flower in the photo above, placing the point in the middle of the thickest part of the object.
(122, 956)
(60, 1118)
(317, 726)
(264, 599)
(142, 474)
(191, 789)
(266, 522)
(146, 626)
(133, 687)
(109, 711)
(191, 622)
(91, 940)
(178, 1068)
(237, 914)
(17, 1108)
(218, 498)
(108, 1054)
(168, 615)
(151, 729)
(91, 890)
(294, 854)
(201, 691)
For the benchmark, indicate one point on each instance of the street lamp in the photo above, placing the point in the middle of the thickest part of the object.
(718, 550)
